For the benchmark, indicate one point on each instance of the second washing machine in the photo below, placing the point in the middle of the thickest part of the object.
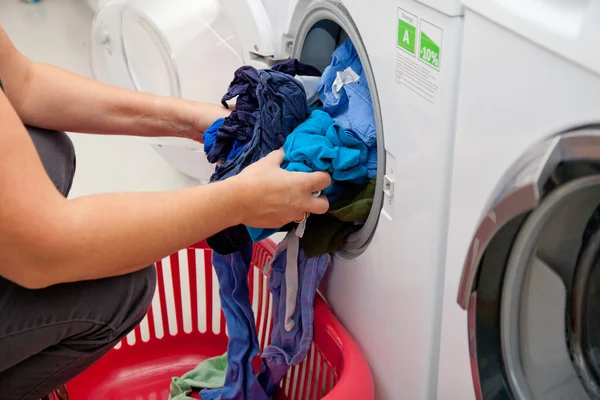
(523, 241)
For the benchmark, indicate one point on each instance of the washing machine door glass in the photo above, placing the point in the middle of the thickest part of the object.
(182, 48)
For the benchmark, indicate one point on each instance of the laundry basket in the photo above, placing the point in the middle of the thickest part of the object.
(185, 325)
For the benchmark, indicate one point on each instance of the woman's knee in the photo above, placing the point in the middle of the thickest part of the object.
(136, 298)
(128, 300)
(146, 283)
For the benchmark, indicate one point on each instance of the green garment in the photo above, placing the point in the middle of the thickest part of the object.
(327, 233)
(209, 374)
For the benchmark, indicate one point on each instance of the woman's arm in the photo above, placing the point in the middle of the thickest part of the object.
(46, 239)
(49, 97)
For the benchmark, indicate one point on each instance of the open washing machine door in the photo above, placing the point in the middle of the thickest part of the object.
(181, 48)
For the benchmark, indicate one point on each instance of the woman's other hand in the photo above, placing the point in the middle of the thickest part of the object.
(272, 197)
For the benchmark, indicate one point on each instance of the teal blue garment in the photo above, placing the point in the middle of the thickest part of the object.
(320, 144)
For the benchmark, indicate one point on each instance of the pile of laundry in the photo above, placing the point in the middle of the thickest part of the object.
(324, 123)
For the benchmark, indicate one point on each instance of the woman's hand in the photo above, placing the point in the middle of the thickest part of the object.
(273, 197)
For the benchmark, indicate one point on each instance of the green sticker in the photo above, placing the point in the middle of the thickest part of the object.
(407, 29)
(430, 43)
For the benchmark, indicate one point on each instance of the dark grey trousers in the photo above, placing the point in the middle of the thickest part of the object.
(49, 336)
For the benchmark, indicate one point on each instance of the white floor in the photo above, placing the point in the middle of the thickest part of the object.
(57, 32)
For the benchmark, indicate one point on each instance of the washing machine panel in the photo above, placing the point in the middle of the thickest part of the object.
(526, 144)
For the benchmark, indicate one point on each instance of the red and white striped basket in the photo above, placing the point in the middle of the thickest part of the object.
(185, 325)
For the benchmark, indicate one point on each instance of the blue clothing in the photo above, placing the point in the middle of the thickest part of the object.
(235, 131)
(290, 348)
(352, 107)
(282, 106)
(372, 162)
(319, 144)
(210, 135)
(238, 128)
(240, 381)
(243, 86)
(236, 149)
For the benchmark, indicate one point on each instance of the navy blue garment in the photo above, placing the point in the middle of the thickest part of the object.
(243, 86)
(282, 106)
(240, 381)
(290, 348)
(233, 134)
(352, 107)
(295, 67)
(238, 128)
(229, 240)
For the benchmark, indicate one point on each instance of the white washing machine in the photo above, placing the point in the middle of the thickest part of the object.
(523, 220)
(386, 284)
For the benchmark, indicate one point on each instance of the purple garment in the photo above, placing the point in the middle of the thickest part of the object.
(290, 348)
(238, 128)
(240, 381)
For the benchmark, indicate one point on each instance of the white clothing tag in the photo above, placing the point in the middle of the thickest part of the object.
(343, 77)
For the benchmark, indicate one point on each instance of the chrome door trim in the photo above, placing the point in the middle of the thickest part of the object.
(521, 189)
(472, 329)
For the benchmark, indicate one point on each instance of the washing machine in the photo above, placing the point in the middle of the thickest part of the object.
(386, 283)
(523, 231)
